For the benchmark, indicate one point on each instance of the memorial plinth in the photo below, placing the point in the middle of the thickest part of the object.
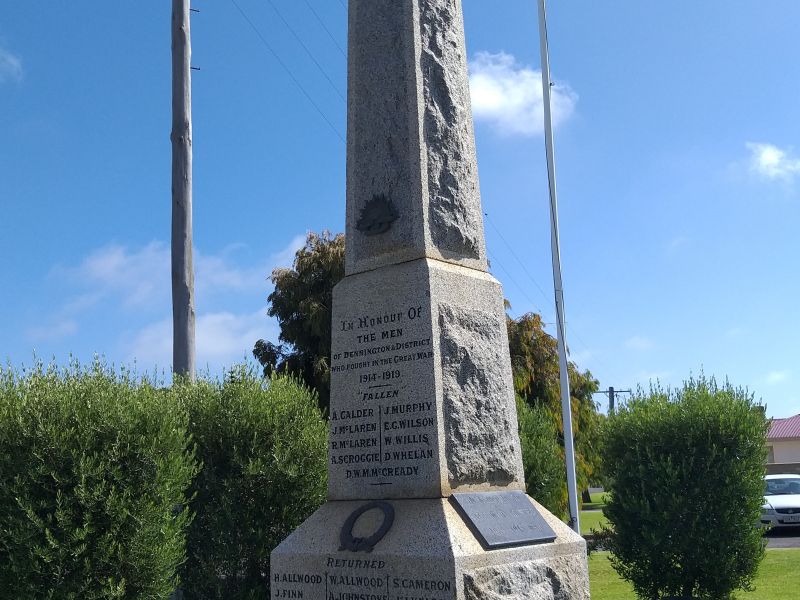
(426, 487)
(429, 553)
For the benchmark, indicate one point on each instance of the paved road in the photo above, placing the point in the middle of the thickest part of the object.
(783, 538)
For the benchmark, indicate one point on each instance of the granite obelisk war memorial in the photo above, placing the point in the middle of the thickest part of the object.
(426, 489)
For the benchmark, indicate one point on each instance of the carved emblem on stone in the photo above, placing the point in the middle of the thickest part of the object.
(377, 216)
(354, 544)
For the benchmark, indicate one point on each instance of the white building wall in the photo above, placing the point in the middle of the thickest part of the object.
(786, 451)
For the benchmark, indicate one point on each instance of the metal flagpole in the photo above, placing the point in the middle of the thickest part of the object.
(566, 409)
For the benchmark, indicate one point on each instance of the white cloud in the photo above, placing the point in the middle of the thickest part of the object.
(221, 339)
(140, 277)
(224, 338)
(509, 95)
(10, 67)
(137, 280)
(217, 272)
(153, 345)
(285, 258)
(776, 377)
(639, 342)
(57, 330)
(771, 162)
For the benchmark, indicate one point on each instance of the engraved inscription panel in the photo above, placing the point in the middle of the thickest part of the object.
(362, 578)
(383, 425)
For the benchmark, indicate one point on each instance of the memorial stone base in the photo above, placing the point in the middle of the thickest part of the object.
(427, 552)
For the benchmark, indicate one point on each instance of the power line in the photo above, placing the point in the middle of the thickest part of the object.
(310, 54)
(531, 277)
(344, 6)
(514, 254)
(518, 286)
(330, 35)
(612, 394)
(288, 70)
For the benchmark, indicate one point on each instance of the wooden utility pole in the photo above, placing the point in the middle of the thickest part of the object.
(183, 350)
(612, 397)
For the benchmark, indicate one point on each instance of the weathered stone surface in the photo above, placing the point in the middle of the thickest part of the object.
(554, 578)
(410, 135)
(382, 145)
(528, 580)
(456, 226)
(480, 416)
(480, 423)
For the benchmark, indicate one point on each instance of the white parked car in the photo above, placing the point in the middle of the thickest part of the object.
(781, 501)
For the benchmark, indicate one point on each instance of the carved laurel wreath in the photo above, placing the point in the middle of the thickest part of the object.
(354, 544)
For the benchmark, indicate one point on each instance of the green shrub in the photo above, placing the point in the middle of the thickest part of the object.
(263, 450)
(545, 473)
(686, 473)
(97, 471)
(93, 469)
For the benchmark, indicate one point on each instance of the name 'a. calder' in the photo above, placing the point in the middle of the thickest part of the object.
(357, 413)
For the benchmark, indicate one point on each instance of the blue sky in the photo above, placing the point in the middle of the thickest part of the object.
(677, 155)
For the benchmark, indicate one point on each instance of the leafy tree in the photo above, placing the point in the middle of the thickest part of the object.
(535, 367)
(302, 304)
(686, 472)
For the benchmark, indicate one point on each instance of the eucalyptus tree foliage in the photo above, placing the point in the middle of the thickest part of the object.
(302, 302)
(535, 367)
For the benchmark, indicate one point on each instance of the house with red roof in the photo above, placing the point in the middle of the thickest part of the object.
(783, 445)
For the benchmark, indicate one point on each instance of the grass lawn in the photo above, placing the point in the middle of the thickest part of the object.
(591, 519)
(598, 500)
(776, 580)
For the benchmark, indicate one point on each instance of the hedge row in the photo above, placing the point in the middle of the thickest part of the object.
(115, 487)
